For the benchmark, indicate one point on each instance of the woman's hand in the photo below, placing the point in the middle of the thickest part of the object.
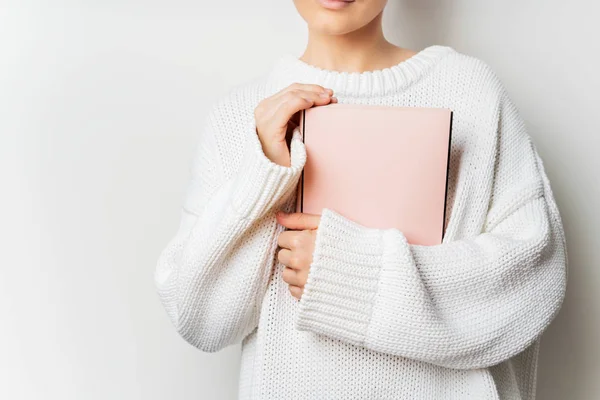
(273, 114)
(297, 248)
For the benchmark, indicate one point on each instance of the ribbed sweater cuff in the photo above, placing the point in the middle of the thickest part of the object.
(261, 184)
(343, 279)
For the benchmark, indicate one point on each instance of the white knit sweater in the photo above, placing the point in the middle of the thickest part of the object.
(379, 318)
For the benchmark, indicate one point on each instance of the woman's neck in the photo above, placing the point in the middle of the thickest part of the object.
(362, 50)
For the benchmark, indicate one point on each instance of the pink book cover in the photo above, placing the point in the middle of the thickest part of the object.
(380, 166)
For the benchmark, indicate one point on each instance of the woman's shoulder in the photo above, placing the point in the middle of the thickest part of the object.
(473, 73)
(241, 98)
(472, 86)
(230, 116)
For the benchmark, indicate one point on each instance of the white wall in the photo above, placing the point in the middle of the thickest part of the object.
(100, 102)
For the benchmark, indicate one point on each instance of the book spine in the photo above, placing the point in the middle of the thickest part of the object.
(447, 173)
(303, 122)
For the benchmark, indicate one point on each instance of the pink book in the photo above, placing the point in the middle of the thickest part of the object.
(380, 166)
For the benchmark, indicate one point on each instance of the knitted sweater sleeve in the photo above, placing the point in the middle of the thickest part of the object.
(464, 304)
(212, 275)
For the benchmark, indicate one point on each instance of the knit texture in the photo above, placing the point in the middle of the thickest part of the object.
(379, 318)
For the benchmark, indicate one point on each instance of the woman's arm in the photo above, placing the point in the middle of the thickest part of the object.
(463, 304)
(212, 275)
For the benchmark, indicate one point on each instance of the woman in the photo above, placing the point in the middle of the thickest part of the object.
(328, 309)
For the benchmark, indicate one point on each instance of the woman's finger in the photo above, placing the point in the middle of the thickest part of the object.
(296, 101)
(284, 256)
(290, 277)
(296, 291)
(302, 86)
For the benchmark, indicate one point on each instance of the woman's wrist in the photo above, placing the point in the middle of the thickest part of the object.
(279, 153)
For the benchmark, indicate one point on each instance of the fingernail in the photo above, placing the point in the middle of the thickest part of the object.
(324, 94)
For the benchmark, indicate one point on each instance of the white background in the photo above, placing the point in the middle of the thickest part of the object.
(100, 102)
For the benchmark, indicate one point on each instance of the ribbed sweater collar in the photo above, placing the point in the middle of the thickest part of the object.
(288, 69)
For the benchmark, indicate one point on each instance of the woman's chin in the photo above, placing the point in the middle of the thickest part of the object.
(338, 17)
(333, 25)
